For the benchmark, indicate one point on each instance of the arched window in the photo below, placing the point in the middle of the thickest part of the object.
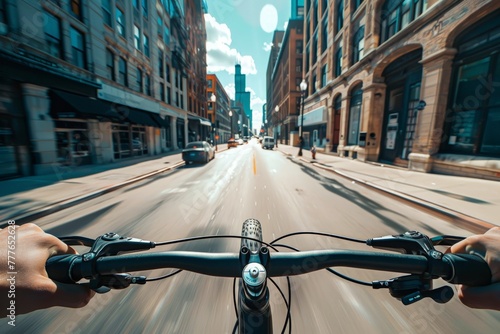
(473, 123)
(355, 115)
(397, 14)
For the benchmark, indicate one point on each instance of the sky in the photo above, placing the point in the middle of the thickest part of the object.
(241, 31)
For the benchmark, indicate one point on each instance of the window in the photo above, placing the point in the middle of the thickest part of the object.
(324, 72)
(160, 63)
(137, 37)
(298, 65)
(356, 4)
(355, 115)
(147, 84)
(145, 39)
(110, 65)
(138, 80)
(160, 26)
(136, 4)
(315, 48)
(340, 16)
(166, 36)
(52, 29)
(76, 9)
(397, 14)
(169, 95)
(314, 87)
(209, 84)
(338, 61)
(162, 91)
(324, 35)
(299, 46)
(106, 12)
(120, 22)
(122, 72)
(358, 44)
(145, 8)
(78, 48)
(167, 73)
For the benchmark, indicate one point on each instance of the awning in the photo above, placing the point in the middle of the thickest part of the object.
(142, 117)
(203, 121)
(68, 105)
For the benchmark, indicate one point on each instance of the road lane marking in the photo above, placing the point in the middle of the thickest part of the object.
(254, 165)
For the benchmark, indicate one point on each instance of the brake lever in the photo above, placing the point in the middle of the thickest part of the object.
(110, 244)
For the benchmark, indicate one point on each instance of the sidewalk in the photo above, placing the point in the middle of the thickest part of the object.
(473, 202)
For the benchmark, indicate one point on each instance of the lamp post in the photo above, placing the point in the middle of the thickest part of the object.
(277, 109)
(213, 99)
(303, 88)
(231, 120)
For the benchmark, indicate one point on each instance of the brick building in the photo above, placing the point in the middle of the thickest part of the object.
(412, 83)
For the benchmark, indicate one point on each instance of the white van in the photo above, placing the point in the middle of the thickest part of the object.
(268, 142)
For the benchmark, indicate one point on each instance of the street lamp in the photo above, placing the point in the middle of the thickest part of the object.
(231, 118)
(277, 109)
(213, 99)
(303, 88)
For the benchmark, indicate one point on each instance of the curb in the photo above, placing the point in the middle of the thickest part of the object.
(72, 201)
(459, 219)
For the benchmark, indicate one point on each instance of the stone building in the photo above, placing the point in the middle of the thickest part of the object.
(413, 83)
(91, 82)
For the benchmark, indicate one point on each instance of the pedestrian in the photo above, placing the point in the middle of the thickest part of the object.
(313, 152)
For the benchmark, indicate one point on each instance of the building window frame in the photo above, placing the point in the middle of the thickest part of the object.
(397, 14)
(358, 43)
(122, 72)
(110, 64)
(78, 52)
(120, 23)
(106, 11)
(53, 38)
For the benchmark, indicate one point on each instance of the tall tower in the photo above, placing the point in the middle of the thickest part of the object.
(242, 97)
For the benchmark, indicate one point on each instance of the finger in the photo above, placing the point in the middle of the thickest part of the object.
(71, 295)
(482, 297)
(470, 244)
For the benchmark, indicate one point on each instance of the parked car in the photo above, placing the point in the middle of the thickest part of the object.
(198, 151)
(232, 143)
(240, 141)
(268, 143)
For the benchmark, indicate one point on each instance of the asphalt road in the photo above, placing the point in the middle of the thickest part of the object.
(285, 195)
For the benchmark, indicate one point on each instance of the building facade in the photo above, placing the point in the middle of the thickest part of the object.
(90, 82)
(219, 108)
(286, 78)
(410, 83)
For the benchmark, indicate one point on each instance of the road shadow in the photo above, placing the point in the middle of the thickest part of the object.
(355, 197)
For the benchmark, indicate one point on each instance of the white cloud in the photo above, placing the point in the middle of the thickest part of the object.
(267, 46)
(220, 55)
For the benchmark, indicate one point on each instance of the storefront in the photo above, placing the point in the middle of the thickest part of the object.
(314, 128)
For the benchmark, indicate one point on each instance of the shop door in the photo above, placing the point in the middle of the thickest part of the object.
(392, 130)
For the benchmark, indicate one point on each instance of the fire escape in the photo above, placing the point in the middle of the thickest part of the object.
(179, 59)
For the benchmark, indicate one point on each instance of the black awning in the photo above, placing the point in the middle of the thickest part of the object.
(201, 120)
(68, 105)
(142, 117)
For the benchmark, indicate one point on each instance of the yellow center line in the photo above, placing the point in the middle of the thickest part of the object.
(254, 165)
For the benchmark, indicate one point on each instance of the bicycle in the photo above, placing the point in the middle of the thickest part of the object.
(105, 266)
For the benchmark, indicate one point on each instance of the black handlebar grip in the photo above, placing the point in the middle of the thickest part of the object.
(468, 269)
(58, 267)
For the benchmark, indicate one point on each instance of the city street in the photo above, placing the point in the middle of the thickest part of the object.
(286, 195)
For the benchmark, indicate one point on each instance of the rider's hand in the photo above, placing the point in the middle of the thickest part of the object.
(33, 289)
(488, 246)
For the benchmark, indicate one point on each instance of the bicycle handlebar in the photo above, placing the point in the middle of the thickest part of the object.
(465, 269)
